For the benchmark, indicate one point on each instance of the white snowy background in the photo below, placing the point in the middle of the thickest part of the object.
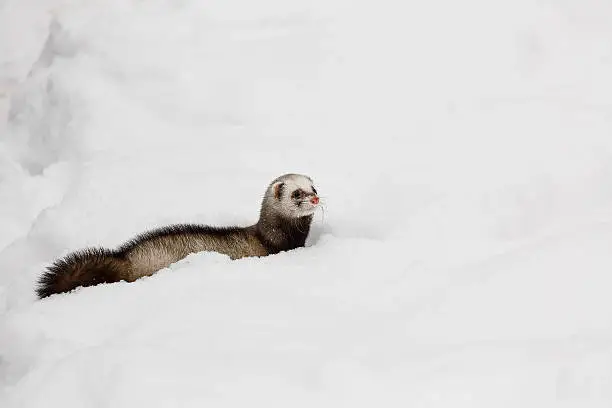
(464, 151)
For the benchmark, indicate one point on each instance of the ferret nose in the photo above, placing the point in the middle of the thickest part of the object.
(314, 200)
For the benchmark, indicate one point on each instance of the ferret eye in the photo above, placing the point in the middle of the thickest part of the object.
(314, 190)
(296, 194)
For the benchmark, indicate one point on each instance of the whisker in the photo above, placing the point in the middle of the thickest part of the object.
(298, 227)
(295, 224)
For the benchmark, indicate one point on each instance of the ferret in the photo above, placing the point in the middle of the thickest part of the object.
(284, 222)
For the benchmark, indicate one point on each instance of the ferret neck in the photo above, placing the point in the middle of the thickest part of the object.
(279, 233)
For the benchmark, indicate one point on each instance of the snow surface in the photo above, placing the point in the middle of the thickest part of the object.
(463, 149)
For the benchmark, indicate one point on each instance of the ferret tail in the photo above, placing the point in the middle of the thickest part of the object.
(83, 268)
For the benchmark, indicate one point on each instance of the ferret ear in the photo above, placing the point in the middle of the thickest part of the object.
(278, 190)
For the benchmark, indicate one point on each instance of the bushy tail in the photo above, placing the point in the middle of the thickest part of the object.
(83, 268)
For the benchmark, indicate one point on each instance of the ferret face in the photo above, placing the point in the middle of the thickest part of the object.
(295, 195)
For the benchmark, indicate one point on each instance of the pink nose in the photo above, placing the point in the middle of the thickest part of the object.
(314, 200)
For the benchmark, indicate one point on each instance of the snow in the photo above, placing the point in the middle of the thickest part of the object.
(463, 151)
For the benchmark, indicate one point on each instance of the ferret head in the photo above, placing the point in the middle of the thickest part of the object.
(292, 196)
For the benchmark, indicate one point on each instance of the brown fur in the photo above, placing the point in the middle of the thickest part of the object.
(154, 250)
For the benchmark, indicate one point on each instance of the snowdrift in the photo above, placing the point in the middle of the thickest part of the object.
(463, 151)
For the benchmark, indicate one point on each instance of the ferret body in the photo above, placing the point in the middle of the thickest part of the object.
(284, 223)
